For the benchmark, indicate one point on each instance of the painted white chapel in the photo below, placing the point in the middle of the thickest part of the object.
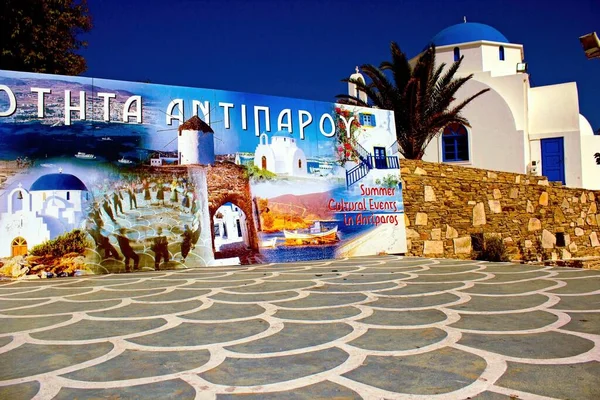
(514, 127)
(281, 156)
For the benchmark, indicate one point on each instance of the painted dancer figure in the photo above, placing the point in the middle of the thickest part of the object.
(107, 209)
(127, 250)
(102, 243)
(186, 244)
(117, 202)
(160, 194)
(160, 247)
(132, 198)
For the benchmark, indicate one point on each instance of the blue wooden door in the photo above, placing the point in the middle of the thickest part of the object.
(380, 157)
(553, 159)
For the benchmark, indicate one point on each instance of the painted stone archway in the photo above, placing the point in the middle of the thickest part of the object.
(229, 183)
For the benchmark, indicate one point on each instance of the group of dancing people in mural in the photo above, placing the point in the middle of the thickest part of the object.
(108, 206)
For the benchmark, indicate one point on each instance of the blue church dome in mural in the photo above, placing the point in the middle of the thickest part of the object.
(58, 182)
(468, 32)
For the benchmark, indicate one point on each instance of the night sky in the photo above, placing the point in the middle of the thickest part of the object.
(304, 48)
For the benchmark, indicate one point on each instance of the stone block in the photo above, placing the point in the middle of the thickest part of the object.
(594, 240)
(517, 179)
(420, 171)
(436, 234)
(530, 208)
(451, 233)
(412, 234)
(497, 194)
(514, 193)
(583, 197)
(471, 202)
(543, 201)
(591, 196)
(495, 206)
(565, 204)
(462, 245)
(421, 219)
(559, 217)
(573, 247)
(566, 255)
(433, 247)
(479, 215)
(591, 220)
(598, 219)
(579, 232)
(404, 170)
(593, 208)
(548, 239)
(567, 239)
(580, 222)
(528, 244)
(406, 220)
(543, 183)
(534, 225)
(429, 194)
(575, 199)
(492, 175)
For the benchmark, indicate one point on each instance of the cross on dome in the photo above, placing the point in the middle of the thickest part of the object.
(60, 170)
(356, 69)
(20, 185)
(465, 19)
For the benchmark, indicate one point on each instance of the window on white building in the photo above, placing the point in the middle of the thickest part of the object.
(367, 119)
(456, 54)
(455, 143)
(501, 53)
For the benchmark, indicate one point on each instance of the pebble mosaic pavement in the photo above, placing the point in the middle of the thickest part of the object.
(373, 328)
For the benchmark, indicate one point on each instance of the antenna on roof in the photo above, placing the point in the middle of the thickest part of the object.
(465, 19)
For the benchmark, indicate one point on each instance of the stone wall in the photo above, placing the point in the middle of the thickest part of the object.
(445, 205)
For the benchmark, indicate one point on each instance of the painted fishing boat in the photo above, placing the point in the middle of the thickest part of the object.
(123, 160)
(272, 242)
(85, 156)
(312, 237)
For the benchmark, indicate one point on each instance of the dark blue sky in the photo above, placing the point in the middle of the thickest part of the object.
(303, 48)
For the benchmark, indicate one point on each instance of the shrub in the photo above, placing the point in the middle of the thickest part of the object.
(254, 173)
(71, 242)
(493, 250)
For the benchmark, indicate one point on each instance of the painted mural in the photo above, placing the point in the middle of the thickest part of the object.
(101, 176)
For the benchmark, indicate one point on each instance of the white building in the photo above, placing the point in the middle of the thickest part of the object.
(514, 127)
(53, 205)
(375, 144)
(230, 226)
(281, 156)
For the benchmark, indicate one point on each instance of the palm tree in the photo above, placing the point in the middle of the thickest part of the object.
(421, 97)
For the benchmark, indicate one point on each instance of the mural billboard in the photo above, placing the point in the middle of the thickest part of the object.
(102, 176)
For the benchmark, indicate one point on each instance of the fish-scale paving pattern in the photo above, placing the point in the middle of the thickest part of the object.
(370, 327)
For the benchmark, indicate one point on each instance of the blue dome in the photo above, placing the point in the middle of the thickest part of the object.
(468, 32)
(58, 182)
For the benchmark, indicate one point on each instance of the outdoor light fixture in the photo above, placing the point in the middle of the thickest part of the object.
(522, 67)
(591, 45)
